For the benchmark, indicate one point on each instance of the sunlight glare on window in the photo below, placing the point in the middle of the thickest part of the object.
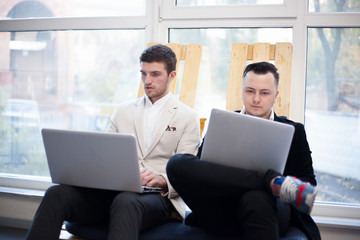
(61, 79)
(71, 8)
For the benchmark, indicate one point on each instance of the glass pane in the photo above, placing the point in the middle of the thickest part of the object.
(334, 6)
(71, 8)
(61, 79)
(332, 116)
(214, 68)
(226, 2)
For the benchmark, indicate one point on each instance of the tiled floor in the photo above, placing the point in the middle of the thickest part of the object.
(7, 233)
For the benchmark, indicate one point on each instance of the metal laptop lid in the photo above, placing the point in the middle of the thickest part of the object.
(247, 142)
(93, 159)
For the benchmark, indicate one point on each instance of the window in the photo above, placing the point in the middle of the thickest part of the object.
(61, 79)
(64, 75)
(332, 116)
(334, 6)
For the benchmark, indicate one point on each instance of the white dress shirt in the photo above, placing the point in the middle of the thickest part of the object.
(152, 113)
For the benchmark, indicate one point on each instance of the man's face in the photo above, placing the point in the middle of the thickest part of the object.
(259, 93)
(155, 80)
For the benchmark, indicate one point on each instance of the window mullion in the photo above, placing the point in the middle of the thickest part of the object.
(79, 23)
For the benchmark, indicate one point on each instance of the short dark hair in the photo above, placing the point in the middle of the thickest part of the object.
(263, 68)
(160, 53)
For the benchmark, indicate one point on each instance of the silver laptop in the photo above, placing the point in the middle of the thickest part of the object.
(94, 160)
(247, 142)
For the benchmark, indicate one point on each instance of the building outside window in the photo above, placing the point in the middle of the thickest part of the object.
(69, 79)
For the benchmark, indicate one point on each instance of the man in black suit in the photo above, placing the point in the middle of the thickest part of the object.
(244, 202)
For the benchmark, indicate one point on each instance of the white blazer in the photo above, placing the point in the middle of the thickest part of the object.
(178, 132)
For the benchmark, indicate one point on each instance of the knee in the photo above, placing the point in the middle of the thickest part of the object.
(177, 166)
(178, 163)
(58, 191)
(58, 196)
(174, 163)
(124, 200)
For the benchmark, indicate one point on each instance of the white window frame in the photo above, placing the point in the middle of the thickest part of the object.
(171, 11)
(73, 23)
(162, 15)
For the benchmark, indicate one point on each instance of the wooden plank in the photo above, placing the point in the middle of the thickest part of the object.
(177, 49)
(261, 52)
(238, 62)
(283, 61)
(141, 90)
(271, 53)
(250, 52)
(202, 126)
(191, 74)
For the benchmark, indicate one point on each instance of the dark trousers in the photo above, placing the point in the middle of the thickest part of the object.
(126, 213)
(228, 200)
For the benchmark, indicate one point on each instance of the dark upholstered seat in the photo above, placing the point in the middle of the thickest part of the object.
(169, 231)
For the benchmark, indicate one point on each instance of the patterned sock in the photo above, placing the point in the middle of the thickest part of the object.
(276, 186)
(298, 193)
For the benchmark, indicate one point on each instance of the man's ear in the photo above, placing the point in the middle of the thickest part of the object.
(172, 75)
(276, 95)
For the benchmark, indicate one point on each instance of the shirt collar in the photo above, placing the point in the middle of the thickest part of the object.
(272, 114)
(159, 103)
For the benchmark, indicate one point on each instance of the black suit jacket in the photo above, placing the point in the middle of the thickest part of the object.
(299, 164)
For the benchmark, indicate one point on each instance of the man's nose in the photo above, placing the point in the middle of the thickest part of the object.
(256, 97)
(147, 79)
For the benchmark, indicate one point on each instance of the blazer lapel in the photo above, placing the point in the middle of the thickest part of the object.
(139, 124)
(165, 118)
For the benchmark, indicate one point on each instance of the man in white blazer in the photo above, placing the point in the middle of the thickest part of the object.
(177, 132)
(163, 127)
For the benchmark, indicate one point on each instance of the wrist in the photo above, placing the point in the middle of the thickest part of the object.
(162, 181)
